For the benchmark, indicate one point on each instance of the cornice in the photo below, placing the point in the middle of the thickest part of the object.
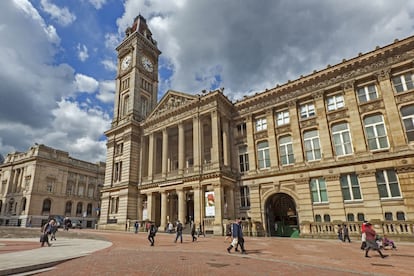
(377, 62)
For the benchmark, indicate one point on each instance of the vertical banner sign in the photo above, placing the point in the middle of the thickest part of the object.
(210, 204)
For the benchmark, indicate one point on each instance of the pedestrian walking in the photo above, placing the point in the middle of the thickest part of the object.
(240, 239)
(152, 231)
(136, 226)
(345, 231)
(179, 232)
(201, 231)
(53, 230)
(235, 228)
(193, 231)
(371, 237)
(340, 236)
(46, 230)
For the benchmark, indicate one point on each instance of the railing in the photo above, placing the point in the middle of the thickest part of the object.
(402, 230)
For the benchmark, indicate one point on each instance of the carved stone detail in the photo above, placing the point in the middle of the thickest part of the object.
(343, 113)
(370, 106)
(309, 123)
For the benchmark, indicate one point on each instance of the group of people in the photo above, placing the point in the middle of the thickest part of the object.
(343, 233)
(370, 240)
(178, 229)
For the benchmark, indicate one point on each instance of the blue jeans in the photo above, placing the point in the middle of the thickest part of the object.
(179, 234)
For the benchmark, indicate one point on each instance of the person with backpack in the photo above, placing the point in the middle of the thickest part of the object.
(179, 231)
(46, 231)
(151, 233)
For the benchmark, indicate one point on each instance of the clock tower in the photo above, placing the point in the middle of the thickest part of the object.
(135, 97)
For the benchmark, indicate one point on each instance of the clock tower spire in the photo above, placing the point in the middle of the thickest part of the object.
(135, 97)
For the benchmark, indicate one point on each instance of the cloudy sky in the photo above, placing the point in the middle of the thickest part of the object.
(58, 58)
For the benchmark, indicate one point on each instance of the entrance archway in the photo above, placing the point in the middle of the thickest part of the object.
(281, 215)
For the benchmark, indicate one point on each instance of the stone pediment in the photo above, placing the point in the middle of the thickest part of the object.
(172, 100)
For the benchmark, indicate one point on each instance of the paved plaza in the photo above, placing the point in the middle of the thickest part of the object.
(126, 253)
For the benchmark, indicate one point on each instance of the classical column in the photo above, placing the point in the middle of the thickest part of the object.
(230, 203)
(215, 141)
(150, 212)
(218, 208)
(396, 133)
(164, 210)
(164, 151)
(198, 199)
(226, 148)
(296, 137)
(181, 206)
(355, 125)
(139, 207)
(196, 142)
(151, 156)
(323, 128)
(181, 148)
(251, 147)
(272, 138)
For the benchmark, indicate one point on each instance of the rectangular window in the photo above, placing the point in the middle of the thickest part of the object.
(282, 118)
(263, 155)
(117, 171)
(286, 150)
(407, 115)
(335, 102)
(341, 139)
(241, 130)
(367, 93)
(261, 124)
(243, 159)
(387, 182)
(350, 187)
(307, 110)
(244, 197)
(376, 132)
(318, 190)
(312, 146)
(403, 82)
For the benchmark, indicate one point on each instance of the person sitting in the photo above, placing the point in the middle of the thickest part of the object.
(388, 243)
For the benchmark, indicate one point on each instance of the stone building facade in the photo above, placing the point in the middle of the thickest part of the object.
(332, 147)
(45, 182)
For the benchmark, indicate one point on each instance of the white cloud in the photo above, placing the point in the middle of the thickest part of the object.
(97, 3)
(62, 15)
(106, 92)
(82, 52)
(85, 83)
(109, 65)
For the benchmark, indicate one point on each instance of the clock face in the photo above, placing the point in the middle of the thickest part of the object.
(147, 64)
(126, 62)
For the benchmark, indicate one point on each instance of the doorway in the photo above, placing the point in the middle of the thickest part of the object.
(281, 216)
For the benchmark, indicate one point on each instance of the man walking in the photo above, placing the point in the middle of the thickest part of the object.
(235, 229)
(345, 231)
(179, 230)
(151, 233)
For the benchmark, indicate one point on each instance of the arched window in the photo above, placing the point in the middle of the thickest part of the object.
(388, 216)
(68, 208)
(400, 216)
(350, 217)
(361, 217)
(326, 218)
(79, 209)
(23, 204)
(89, 209)
(318, 218)
(47, 205)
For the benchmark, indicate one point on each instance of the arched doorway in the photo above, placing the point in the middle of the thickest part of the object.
(281, 215)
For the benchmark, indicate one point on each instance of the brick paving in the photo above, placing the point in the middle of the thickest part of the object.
(132, 255)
